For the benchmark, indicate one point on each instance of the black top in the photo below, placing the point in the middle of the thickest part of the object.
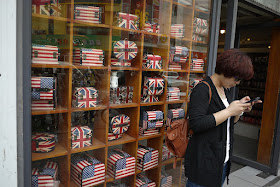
(206, 151)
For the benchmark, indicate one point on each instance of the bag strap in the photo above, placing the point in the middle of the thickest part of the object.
(210, 91)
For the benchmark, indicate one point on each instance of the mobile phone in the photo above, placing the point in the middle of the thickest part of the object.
(253, 100)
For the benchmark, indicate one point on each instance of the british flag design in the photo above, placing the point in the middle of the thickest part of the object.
(152, 119)
(90, 14)
(151, 27)
(143, 181)
(128, 21)
(175, 66)
(43, 142)
(42, 7)
(166, 181)
(200, 26)
(119, 124)
(147, 157)
(196, 37)
(175, 114)
(166, 154)
(177, 30)
(87, 171)
(88, 57)
(173, 93)
(112, 136)
(120, 63)
(120, 164)
(81, 136)
(85, 97)
(153, 86)
(46, 176)
(45, 54)
(43, 88)
(150, 98)
(152, 62)
(125, 50)
(197, 65)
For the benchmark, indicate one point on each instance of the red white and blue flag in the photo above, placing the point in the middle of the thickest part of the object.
(88, 57)
(85, 97)
(175, 66)
(177, 30)
(128, 21)
(89, 14)
(81, 136)
(197, 65)
(175, 114)
(42, 88)
(125, 50)
(143, 181)
(166, 181)
(44, 54)
(120, 63)
(147, 158)
(179, 50)
(46, 176)
(152, 62)
(119, 124)
(112, 136)
(43, 142)
(148, 132)
(150, 98)
(173, 93)
(151, 27)
(153, 86)
(152, 119)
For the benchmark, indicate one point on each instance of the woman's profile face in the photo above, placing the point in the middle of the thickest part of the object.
(230, 82)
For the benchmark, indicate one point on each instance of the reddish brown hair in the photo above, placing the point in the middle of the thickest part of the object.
(234, 63)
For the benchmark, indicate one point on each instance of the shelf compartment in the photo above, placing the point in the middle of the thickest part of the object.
(149, 137)
(101, 107)
(89, 67)
(125, 105)
(176, 101)
(152, 103)
(183, 5)
(155, 34)
(181, 71)
(58, 151)
(125, 68)
(125, 139)
(170, 161)
(86, 24)
(160, 70)
(34, 15)
(64, 65)
(124, 29)
(96, 144)
(56, 111)
(197, 71)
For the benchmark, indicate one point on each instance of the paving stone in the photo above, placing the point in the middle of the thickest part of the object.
(243, 174)
(237, 182)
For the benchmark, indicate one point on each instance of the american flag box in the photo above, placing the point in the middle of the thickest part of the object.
(46, 176)
(112, 136)
(152, 119)
(45, 54)
(200, 26)
(85, 97)
(152, 62)
(150, 99)
(125, 50)
(153, 86)
(179, 50)
(175, 114)
(90, 14)
(148, 132)
(175, 66)
(166, 154)
(43, 142)
(166, 180)
(179, 59)
(128, 21)
(151, 27)
(177, 30)
(43, 105)
(87, 171)
(143, 181)
(81, 136)
(197, 65)
(173, 93)
(120, 164)
(147, 157)
(88, 57)
(43, 88)
(120, 63)
(119, 124)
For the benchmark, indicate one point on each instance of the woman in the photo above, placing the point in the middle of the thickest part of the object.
(208, 156)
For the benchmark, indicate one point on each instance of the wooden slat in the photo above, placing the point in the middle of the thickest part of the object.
(58, 151)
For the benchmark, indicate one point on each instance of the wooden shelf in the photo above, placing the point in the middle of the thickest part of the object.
(58, 151)
(202, 11)
(77, 66)
(170, 161)
(197, 71)
(182, 5)
(73, 184)
(101, 107)
(124, 29)
(152, 103)
(125, 68)
(148, 137)
(126, 105)
(64, 65)
(96, 144)
(199, 42)
(160, 70)
(56, 111)
(86, 24)
(109, 179)
(123, 140)
(180, 38)
(34, 15)
(177, 101)
(178, 70)
(154, 34)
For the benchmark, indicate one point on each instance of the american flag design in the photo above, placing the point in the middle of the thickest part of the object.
(177, 30)
(85, 97)
(153, 86)
(87, 171)
(119, 124)
(43, 88)
(175, 66)
(166, 154)
(150, 99)
(120, 164)
(180, 59)
(46, 176)
(152, 119)
(143, 181)
(88, 57)
(179, 50)
(173, 93)
(43, 105)
(128, 21)
(148, 132)
(125, 50)
(197, 65)
(166, 181)
(147, 157)
(151, 27)
(175, 114)
(90, 14)
(81, 136)
(45, 54)
(152, 62)
(112, 136)
(120, 63)
(43, 142)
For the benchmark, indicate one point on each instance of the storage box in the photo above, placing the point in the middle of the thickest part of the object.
(122, 94)
(45, 54)
(148, 132)
(119, 124)
(120, 63)
(147, 157)
(200, 26)
(81, 136)
(150, 98)
(197, 65)
(175, 66)
(177, 30)
(179, 50)
(151, 27)
(166, 154)
(85, 97)
(128, 21)
(152, 62)
(112, 136)
(152, 119)
(43, 88)
(90, 14)
(43, 142)
(143, 181)
(88, 57)
(174, 114)
(166, 180)
(120, 164)
(173, 93)
(125, 50)
(153, 86)
(46, 7)
(46, 176)
(87, 171)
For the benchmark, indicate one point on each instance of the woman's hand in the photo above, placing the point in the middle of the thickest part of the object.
(247, 98)
(237, 107)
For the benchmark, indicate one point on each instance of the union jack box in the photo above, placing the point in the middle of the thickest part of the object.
(200, 26)
(120, 63)
(88, 57)
(81, 136)
(119, 124)
(196, 37)
(147, 157)
(151, 27)
(152, 62)
(166, 180)
(122, 94)
(85, 97)
(43, 142)
(177, 30)
(120, 164)
(112, 136)
(46, 7)
(152, 119)
(166, 154)
(153, 86)
(89, 14)
(87, 171)
(143, 181)
(175, 114)
(125, 50)
(45, 54)
(179, 50)
(150, 98)
(175, 66)
(46, 176)
(197, 65)
(173, 93)
(128, 21)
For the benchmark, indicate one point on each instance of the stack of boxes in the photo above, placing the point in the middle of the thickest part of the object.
(178, 56)
(90, 14)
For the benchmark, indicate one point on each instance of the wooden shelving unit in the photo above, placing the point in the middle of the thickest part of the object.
(107, 32)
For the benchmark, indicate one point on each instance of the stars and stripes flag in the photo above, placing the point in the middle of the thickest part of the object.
(87, 171)
(175, 114)
(175, 66)
(88, 57)
(197, 65)
(81, 136)
(85, 97)
(173, 93)
(45, 54)
(152, 119)
(46, 176)
(147, 158)
(148, 132)
(166, 154)
(43, 142)
(153, 86)
(179, 59)
(90, 14)
(120, 164)
(151, 27)
(143, 181)
(119, 124)
(166, 181)
(128, 21)
(112, 136)
(150, 98)
(125, 50)
(42, 88)
(179, 50)
(152, 62)
(120, 63)
(177, 30)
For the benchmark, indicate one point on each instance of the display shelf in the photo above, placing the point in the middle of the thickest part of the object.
(50, 17)
(64, 65)
(199, 42)
(76, 66)
(159, 70)
(125, 68)
(170, 161)
(58, 151)
(109, 179)
(101, 107)
(86, 24)
(123, 140)
(177, 70)
(202, 11)
(154, 34)
(152, 103)
(96, 144)
(177, 101)
(125, 105)
(140, 137)
(128, 30)
(197, 71)
(56, 111)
